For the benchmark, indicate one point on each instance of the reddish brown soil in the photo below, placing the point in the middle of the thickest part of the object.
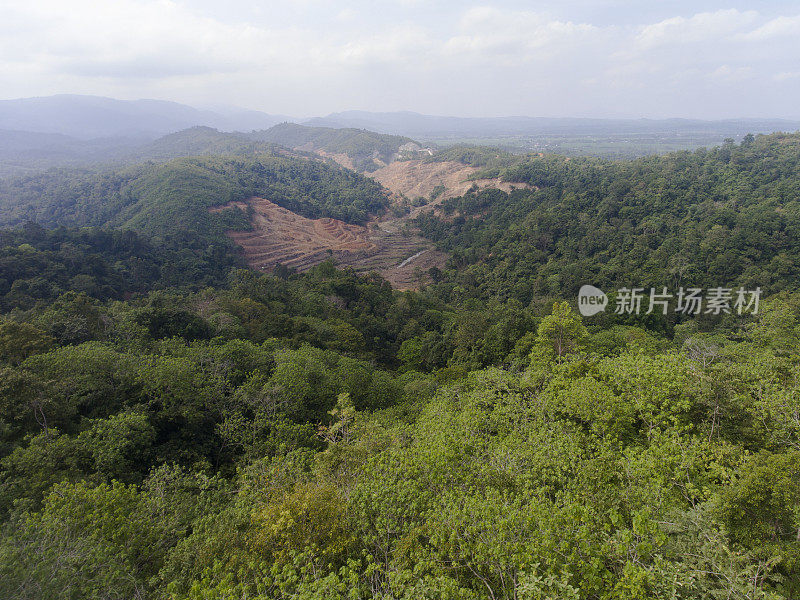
(280, 236)
(414, 178)
(385, 245)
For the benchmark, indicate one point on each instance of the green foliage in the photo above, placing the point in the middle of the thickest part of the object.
(490, 160)
(18, 341)
(761, 509)
(361, 146)
(100, 541)
(559, 333)
(320, 435)
(37, 264)
(204, 141)
(173, 199)
(721, 217)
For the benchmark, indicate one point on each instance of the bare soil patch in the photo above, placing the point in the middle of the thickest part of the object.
(280, 236)
(414, 178)
(387, 245)
(341, 159)
(420, 179)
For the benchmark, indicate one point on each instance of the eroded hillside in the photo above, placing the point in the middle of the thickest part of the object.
(433, 181)
(280, 236)
(388, 244)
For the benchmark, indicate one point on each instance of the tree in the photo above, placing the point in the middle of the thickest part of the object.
(18, 341)
(560, 333)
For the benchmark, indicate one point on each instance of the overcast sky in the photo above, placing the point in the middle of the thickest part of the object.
(307, 57)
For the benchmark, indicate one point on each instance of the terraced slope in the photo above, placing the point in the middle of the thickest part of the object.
(280, 236)
(385, 245)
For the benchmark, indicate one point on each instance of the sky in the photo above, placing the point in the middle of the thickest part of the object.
(573, 58)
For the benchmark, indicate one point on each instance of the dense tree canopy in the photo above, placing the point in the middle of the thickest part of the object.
(723, 217)
(160, 199)
(362, 147)
(175, 427)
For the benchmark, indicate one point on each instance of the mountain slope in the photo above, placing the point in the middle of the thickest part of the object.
(24, 152)
(27, 151)
(364, 150)
(203, 141)
(725, 217)
(159, 199)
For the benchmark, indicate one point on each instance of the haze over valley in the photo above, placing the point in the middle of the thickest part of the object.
(38, 133)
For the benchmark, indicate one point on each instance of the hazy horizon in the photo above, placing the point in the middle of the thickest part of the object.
(577, 59)
(299, 118)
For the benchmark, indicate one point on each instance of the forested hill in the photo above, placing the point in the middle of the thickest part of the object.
(22, 152)
(204, 141)
(719, 217)
(160, 198)
(363, 147)
(172, 428)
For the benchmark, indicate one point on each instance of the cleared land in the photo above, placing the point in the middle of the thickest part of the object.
(421, 179)
(386, 244)
(280, 236)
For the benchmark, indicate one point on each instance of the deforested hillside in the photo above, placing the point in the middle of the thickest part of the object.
(427, 183)
(281, 238)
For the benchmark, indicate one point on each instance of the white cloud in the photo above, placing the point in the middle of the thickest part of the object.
(729, 74)
(786, 75)
(346, 14)
(124, 38)
(487, 31)
(397, 46)
(701, 27)
(484, 59)
(779, 27)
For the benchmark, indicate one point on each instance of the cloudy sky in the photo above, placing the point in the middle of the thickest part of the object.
(628, 58)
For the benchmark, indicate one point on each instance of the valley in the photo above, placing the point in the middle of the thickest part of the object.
(220, 417)
(387, 244)
(280, 236)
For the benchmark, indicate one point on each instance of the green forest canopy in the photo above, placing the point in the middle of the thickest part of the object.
(362, 146)
(174, 427)
(160, 198)
(721, 217)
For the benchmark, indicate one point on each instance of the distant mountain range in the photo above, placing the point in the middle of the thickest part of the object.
(23, 152)
(72, 130)
(87, 117)
(426, 126)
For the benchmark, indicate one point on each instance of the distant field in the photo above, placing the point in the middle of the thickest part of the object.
(606, 146)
